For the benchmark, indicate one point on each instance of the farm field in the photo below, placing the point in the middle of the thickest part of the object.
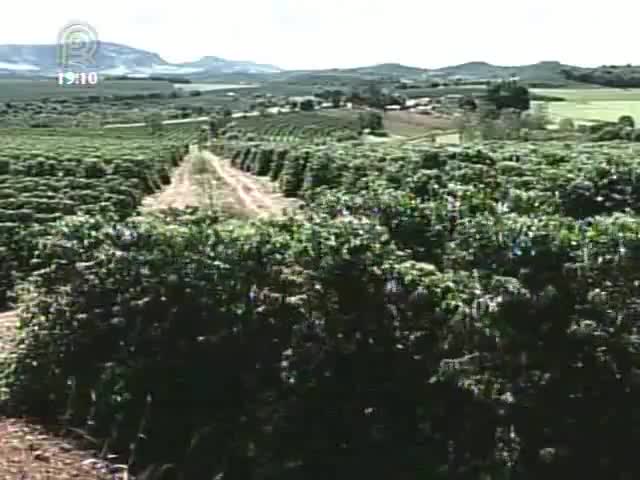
(401, 124)
(605, 104)
(296, 125)
(212, 87)
(22, 90)
(411, 124)
(44, 178)
(591, 94)
(289, 300)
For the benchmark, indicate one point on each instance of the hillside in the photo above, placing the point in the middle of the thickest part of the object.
(627, 76)
(550, 71)
(116, 59)
(392, 69)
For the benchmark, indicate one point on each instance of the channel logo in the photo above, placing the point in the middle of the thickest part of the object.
(78, 45)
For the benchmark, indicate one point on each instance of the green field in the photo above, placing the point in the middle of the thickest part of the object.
(606, 104)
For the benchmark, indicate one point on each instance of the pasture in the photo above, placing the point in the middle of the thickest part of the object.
(412, 124)
(593, 104)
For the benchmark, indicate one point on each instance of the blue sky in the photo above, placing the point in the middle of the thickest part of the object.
(342, 33)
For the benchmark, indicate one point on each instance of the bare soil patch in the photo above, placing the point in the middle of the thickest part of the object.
(29, 452)
(411, 124)
(256, 194)
(204, 179)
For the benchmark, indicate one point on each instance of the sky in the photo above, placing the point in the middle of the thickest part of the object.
(315, 34)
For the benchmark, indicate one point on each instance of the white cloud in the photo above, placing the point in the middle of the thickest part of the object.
(340, 33)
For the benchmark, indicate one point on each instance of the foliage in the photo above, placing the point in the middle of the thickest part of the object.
(374, 96)
(154, 121)
(508, 95)
(43, 179)
(627, 121)
(618, 76)
(286, 127)
(371, 121)
(468, 103)
(307, 105)
(437, 312)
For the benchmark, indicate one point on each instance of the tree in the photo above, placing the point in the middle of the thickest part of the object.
(509, 95)
(372, 96)
(627, 121)
(371, 121)
(307, 105)
(335, 98)
(607, 134)
(468, 103)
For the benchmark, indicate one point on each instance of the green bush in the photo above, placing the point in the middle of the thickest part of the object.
(566, 125)
(608, 134)
(627, 121)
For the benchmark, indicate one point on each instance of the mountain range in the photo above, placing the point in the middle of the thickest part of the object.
(117, 59)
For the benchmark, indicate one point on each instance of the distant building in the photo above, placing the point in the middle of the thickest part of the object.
(418, 102)
(451, 99)
(423, 109)
(295, 102)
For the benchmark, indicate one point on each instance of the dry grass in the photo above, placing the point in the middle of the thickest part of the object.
(413, 124)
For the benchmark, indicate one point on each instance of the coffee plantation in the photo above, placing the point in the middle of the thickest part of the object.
(431, 313)
(44, 178)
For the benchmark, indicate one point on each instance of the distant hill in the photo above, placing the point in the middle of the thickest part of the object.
(627, 76)
(221, 65)
(391, 69)
(121, 60)
(116, 59)
(543, 72)
(538, 72)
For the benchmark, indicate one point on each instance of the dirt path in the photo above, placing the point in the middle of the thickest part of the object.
(29, 452)
(180, 193)
(205, 178)
(257, 194)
